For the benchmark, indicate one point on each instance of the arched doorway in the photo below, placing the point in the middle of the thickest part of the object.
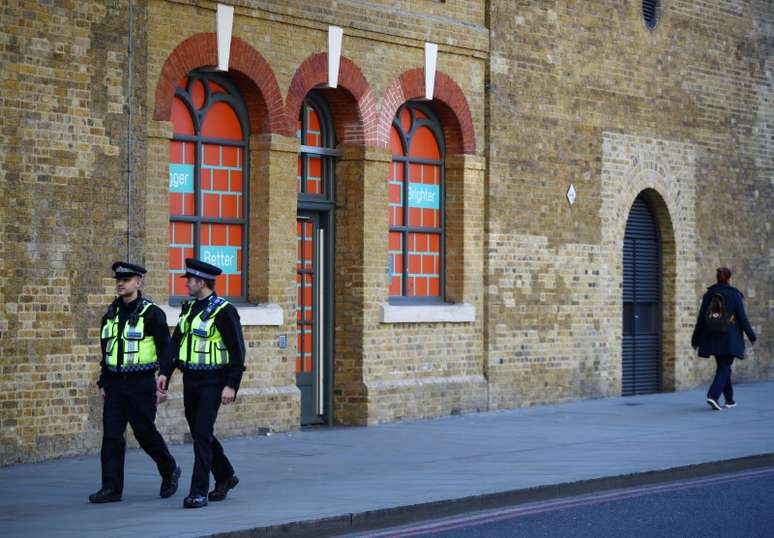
(642, 301)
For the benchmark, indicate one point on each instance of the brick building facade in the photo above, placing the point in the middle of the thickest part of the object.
(395, 257)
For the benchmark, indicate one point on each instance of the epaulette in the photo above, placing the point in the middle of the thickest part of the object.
(142, 305)
(212, 305)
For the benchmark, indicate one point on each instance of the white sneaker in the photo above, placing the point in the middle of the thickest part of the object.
(713, 404)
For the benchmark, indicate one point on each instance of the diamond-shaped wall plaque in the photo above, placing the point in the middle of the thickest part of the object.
(571, 194)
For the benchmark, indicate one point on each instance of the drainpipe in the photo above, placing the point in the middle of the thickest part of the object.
(129, 146)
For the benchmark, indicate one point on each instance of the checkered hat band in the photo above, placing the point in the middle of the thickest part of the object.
(200, 274)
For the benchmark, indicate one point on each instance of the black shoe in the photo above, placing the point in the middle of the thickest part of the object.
(105, 495)
(221, 488)
(730, 403)
(169, 484)
(195, 501)
(713, 403)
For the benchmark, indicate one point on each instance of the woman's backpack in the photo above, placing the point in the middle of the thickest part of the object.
(718, 319)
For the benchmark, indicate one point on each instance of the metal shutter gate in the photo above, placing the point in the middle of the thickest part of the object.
(641, 302)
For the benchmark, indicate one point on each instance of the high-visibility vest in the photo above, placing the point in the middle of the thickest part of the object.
(139, 347)
(201, 346)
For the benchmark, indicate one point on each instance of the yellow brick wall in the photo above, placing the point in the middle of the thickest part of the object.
(583, 93)
(558, 92)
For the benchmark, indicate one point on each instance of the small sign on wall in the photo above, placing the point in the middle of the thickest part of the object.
(223, 257)
(181, 178)
(424, 196)
(571, 194)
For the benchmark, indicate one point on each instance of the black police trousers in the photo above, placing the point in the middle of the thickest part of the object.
(202, 400)
(131, 398)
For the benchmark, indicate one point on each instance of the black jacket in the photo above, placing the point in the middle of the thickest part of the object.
(227, 322)
(155, 325)
(731, 342)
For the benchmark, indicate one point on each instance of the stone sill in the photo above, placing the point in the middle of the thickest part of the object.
(251, 315)
(440, 313)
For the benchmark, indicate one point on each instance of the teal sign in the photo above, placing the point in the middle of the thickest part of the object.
(424, 196)
(223, 257)
(181, 178)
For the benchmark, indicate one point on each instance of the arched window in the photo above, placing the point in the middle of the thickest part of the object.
(416, 212)
(316, 157)
(208, 173)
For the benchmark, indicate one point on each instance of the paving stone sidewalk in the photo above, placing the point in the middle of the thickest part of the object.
(348, 473)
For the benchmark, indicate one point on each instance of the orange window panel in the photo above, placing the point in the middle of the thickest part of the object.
(434, 287)
(234, 286)
(235, 236)
(396, 285)
(197, 94)
(175, 259)
(396, 241)
(230, 206)
(189, 204)
(415, 216)
(217, 234)
(314, 167)
(313, 121)
(230, 156)
(424, 145)
(428, 265)
(415, 263)
(430, 175)
(211, 155)
(206, 179)
(211, 205)
(235, 177)
(397, 171)
(182, 122)
(421, 287)
(431, 218)
(221, 121)
(435, 243)
(220, 180)
(396, 146)
(307, 295)
(176, 203)
(395, 193)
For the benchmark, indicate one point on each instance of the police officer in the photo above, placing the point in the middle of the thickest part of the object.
(207, 346)
(134, 338)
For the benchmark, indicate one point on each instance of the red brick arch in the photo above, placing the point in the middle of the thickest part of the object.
(449, 103)
(352, 104)
(249, 69)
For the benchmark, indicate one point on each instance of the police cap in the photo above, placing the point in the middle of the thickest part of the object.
(200, 269)
(125, 270)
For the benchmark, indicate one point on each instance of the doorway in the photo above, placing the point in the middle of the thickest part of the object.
(314, 325)
(642, 302)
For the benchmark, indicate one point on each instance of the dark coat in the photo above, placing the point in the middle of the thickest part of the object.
(730, 343)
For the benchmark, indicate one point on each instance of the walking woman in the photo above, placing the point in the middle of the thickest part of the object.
(718, 332)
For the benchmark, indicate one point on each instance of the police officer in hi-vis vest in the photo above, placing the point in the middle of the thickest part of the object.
(135, 339)
(207, 346)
